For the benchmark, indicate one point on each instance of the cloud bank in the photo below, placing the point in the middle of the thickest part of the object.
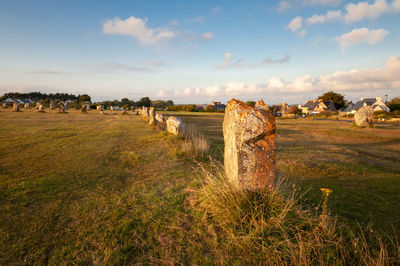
(354, 80)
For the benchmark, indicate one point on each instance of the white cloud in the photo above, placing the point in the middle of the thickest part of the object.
(354, 12)
(295, 24)
(226, 62)
(361, 10)
(153, 63)
(357, 79)
(352, 80)
(216, 9)
(174, 22)
(361, 35)
(396, 5)
(328, 17)
(207, 36)
(138, 29)
(161, 94)
(197, 19)
(112, 67)
(284, 5)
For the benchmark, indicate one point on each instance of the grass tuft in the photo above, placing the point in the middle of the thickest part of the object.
(272, 227)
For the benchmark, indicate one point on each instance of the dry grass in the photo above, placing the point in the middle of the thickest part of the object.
(272, 228)
(91, 189)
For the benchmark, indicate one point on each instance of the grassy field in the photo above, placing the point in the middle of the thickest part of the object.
(361, 166)
(93, 189)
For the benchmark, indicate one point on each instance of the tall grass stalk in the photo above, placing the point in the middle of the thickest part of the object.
(271, 227)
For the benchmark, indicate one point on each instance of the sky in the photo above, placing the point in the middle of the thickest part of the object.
(198, 51)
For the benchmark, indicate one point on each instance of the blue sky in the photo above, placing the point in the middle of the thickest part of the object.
(197, 51)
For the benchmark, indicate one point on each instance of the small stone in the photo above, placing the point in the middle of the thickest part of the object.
(176, 126)
(15, 107)
(364, 116)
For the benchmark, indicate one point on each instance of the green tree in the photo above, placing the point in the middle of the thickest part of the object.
(145, 101)
(336, 98)
(84, 98)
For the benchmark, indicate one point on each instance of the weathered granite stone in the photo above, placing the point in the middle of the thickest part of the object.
(160, 118)
(41, 108)
(364, 116)
(261, 105)
(52, 105)
(138, 111)
(145, 111)
(62, 107)
(175, 126)
(83, 108)
(15, 107)
(152, 116)
(284, 109)
(249, 135)
(100, 108)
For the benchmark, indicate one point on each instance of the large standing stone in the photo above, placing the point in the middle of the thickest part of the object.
(83, 108)
(175, 126)
(52, 105)
(100, 108)
(138, 111)
(261, 105)
(364, 116)
(15, 107)
(152, 116)
(249, 135)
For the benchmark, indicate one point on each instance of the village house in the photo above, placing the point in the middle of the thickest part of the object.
(317, 106)
(216, 106)
(10, 101)
(375, 103)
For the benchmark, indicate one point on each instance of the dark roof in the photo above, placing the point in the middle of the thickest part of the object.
(331, 106)
(311, 105)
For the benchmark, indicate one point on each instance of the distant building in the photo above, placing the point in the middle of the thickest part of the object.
(317, 106)
(375, 103)
(216, 106)
(11, 101)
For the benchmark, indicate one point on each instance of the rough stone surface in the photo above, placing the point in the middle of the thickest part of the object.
(261, 105)
(83, 108)
(138, 111)
(15, 107)
(152, 116)
(175, 126)
(160, 118)
(100, 108)
(249, 135)
(364, 116)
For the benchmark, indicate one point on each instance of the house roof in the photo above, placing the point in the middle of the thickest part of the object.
(311, 105)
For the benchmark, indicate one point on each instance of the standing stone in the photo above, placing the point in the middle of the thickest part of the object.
(283, 110)
(364, 116)
(100, 108)
(38, 105)
(249, 135)
(261, 105)
(145, 112)
(62, 107)
(15, 107)
(138, 111)
(52, 105)
(83, 108)
(41, 108)
(160, 118)
(176, 126)
(152, 115)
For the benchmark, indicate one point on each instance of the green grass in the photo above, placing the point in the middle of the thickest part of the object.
(109, 189)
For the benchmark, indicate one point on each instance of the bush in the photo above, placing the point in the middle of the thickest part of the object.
(182, 108)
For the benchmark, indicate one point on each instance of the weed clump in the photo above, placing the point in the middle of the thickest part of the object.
(271, 227)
